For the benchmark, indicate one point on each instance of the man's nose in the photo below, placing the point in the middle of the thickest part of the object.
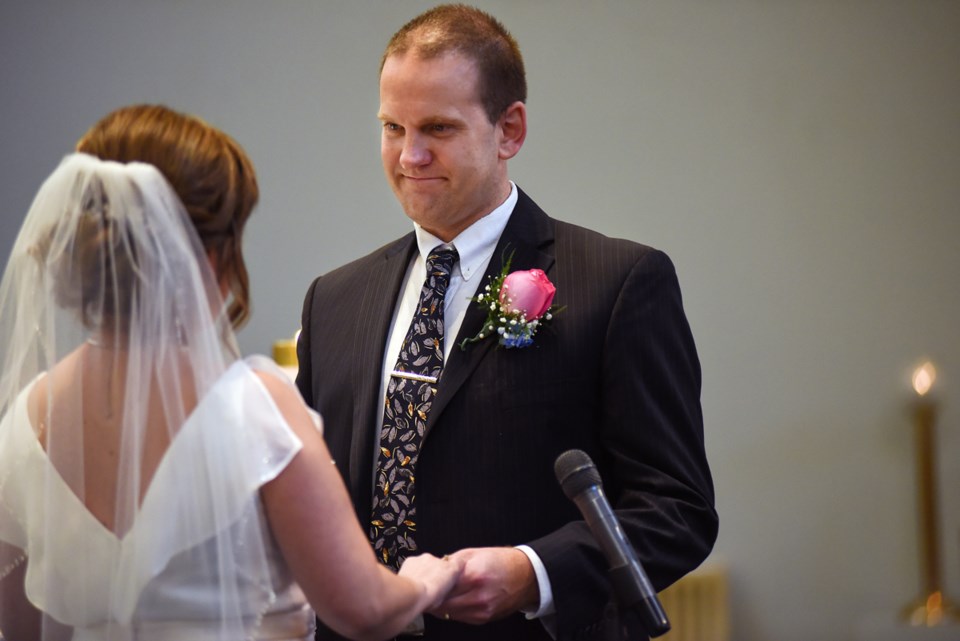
(415, 152)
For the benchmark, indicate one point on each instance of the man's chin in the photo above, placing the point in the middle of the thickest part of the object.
(422, 211)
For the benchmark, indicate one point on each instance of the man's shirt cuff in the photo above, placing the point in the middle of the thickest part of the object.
(543, 581)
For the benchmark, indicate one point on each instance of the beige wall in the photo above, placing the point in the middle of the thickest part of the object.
(799, 160)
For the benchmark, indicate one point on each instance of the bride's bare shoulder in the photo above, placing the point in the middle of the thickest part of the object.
(50, 385)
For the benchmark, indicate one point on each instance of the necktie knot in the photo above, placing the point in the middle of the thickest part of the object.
(440, 262)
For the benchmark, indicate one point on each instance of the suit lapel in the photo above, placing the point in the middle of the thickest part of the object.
(529, 236)
(374, 312)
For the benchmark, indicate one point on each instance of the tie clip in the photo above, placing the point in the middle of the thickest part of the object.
(413, 377)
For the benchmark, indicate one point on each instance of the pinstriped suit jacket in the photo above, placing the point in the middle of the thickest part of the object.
(615, 374)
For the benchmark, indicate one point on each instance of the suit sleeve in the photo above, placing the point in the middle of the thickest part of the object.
(304, 362)
(651, 450)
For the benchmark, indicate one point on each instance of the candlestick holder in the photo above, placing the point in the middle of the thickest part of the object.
(285, 355)
(932, 607)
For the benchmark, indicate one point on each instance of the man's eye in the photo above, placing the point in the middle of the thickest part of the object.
(438, 128)
(391, 127)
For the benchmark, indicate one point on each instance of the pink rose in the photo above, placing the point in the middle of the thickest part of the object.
(529, 292)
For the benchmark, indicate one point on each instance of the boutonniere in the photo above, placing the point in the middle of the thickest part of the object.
(517, 304)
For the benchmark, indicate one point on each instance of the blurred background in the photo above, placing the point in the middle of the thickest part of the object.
(798, 159)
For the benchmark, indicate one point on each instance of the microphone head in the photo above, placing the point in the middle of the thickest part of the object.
(575, 472)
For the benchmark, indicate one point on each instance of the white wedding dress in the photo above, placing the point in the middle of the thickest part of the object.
(156, 581)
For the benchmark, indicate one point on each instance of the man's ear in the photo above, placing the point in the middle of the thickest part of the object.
(513, 130)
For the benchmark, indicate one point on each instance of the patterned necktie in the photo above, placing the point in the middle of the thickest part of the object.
(410, 392)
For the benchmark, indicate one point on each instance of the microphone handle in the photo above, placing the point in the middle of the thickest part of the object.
(630, 582)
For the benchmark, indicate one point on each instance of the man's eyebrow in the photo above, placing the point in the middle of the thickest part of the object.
(428, 121)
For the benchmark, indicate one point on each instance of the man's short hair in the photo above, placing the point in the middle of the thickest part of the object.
(476, 35)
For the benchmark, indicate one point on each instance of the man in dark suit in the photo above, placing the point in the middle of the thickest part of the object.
(615, 374)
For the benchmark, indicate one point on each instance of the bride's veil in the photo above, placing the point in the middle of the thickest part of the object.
(113, 334)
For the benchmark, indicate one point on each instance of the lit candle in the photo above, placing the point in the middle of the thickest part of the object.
(931, 608)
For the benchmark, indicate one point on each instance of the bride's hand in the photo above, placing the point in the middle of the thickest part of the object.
(438, 576)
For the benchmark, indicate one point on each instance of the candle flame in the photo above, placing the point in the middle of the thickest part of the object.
(923, 378)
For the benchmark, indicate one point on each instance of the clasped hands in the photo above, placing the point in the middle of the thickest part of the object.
(493, 582)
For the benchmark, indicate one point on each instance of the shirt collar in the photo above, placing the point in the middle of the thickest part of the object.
(476, 243)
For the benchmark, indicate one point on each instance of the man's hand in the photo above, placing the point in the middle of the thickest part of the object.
(495, 582)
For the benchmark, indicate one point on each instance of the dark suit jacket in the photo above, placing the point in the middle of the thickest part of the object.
(615, 374)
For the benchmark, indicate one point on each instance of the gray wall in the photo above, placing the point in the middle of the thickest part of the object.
(797, 159)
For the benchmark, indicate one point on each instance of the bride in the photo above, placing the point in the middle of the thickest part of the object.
(153, 485)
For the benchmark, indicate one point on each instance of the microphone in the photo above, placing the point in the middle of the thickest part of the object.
(580, 480)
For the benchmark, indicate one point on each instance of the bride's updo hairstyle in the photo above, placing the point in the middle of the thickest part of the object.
(95, 276)
(207, 169)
